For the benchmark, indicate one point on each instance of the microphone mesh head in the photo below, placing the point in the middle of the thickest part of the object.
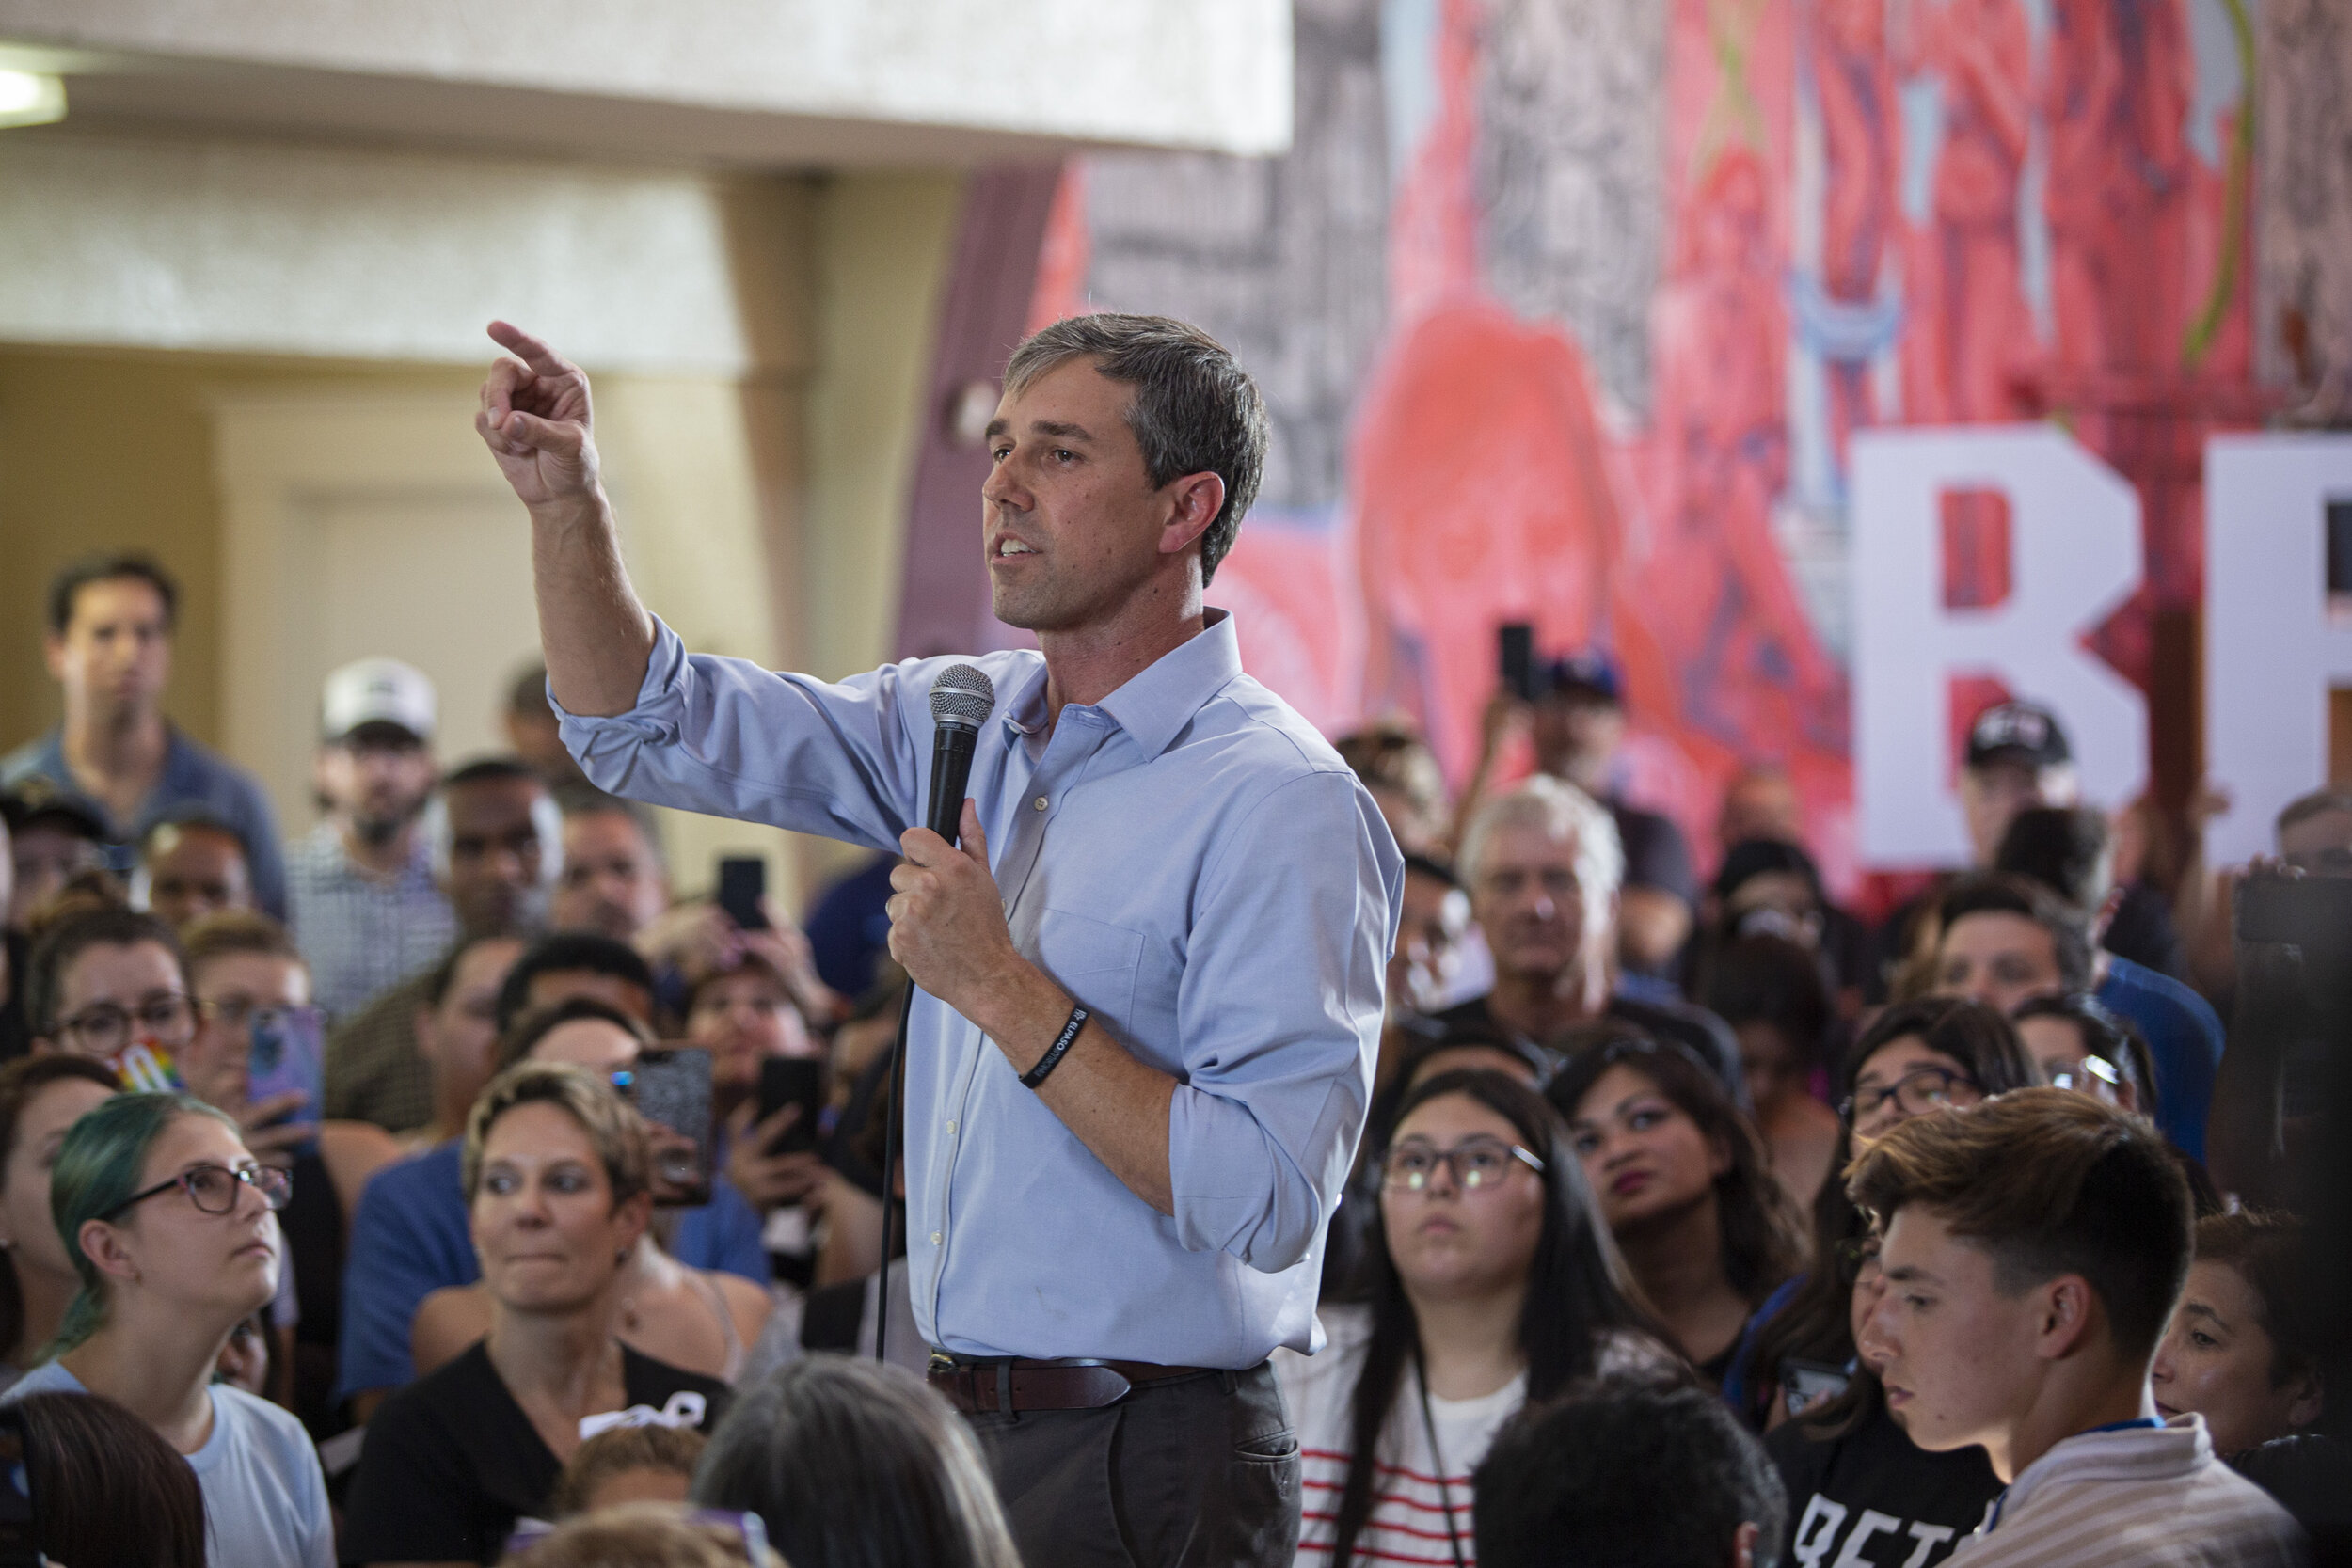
(961, 695)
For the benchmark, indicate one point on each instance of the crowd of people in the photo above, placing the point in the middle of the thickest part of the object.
(418, 1189)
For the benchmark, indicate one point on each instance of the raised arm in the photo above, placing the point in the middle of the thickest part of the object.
(536, 421)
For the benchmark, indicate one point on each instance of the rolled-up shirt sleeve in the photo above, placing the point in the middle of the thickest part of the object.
(725, 736)
(1280, 1018)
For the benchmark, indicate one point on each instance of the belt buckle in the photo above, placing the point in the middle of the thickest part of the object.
(940, 1362)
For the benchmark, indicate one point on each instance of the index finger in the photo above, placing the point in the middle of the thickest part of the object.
(534, 351)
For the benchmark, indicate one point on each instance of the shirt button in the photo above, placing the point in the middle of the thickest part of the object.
(951, 1129)
(1039, 802)
(937, 1236)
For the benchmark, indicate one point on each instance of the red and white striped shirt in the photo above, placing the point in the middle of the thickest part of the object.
(1420, 1498)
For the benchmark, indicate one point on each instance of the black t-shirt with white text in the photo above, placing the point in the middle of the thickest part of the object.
(1875, 1499)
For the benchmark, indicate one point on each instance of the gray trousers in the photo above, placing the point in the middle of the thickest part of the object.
(1189, 1473)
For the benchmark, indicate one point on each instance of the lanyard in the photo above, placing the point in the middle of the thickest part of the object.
(1436, 1459)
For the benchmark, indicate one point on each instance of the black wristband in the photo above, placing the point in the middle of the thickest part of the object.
(1059, 1049)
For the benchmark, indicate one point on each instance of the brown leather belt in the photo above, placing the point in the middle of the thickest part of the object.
(982, 1387)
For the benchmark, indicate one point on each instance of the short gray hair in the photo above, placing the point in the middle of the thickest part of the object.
(1195, 411)
(1562, 811)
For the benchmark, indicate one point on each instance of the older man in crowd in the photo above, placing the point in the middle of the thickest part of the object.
(1542, 866)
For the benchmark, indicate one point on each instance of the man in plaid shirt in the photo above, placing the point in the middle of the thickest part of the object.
(365, 909)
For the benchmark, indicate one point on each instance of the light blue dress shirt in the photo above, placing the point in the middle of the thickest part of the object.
(1188, 859)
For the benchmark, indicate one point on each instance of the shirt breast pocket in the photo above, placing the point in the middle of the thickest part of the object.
(1092, 959)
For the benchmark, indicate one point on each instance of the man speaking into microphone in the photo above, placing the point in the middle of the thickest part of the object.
(1149, 972)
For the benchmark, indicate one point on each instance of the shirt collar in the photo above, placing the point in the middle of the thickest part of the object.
(1158, 701)
(1157, 704)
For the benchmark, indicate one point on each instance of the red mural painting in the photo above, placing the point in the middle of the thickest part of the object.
(1499, 469)
(1485, 491)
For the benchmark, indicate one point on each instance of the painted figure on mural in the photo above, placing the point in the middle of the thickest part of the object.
(1970, 333)
(1747, 674)
(1853, 87)
(2120, 78)
(1483, 496)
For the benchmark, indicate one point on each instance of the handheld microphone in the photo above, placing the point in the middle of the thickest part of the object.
(961, 701)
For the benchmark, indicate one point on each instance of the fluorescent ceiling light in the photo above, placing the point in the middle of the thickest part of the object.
(27, 98)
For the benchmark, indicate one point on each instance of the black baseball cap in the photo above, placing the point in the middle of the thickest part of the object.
(37, 800)
(1590, 673)
(2018, 732)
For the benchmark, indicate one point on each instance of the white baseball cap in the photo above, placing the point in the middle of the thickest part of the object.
(377, 691)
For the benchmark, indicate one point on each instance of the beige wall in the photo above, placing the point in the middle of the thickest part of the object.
(883, 243)
(102, 450)
(762, 513)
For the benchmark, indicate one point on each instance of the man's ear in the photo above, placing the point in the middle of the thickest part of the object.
(1195, 500)
(2070, 1317)
(53, 650)
(1744, 1545)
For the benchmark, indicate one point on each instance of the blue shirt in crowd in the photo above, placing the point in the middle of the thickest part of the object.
(195, 776)
(264, 1496)
(1187, 857)
(410, 1237)
(2184, 1039)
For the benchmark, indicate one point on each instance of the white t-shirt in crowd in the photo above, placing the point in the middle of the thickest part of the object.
(1421, 1509)
(264, 1495)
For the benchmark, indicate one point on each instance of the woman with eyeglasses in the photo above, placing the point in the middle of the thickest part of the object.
(1843, 1454)
(109, 983)
(1488, 1282)
(557, 1186)
(1682, 1180)
(173, 1228)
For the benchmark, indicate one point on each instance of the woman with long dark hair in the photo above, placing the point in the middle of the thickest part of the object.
(1842, 1447)
(1488, 1282)
(1681, 1176)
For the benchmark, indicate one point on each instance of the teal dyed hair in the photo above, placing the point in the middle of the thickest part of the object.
(99, 1168)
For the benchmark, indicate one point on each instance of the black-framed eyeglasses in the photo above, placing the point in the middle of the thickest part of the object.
(1475, 1163)
(1914, 1094)
(214, 1188)
(104, 1028)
